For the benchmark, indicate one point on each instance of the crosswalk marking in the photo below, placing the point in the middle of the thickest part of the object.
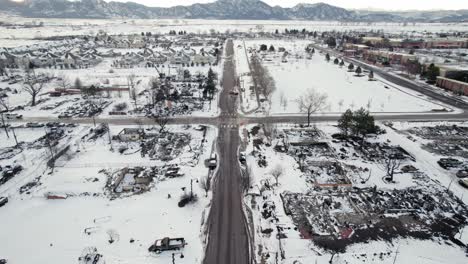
(229, 126)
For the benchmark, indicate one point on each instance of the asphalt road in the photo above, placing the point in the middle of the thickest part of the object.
(228, 241)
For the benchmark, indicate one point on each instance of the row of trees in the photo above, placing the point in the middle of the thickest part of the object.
(262, 78)
(358, 70)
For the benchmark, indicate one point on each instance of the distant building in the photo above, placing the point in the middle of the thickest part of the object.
(455, 43)
(452, 85)
(413, 44)
(380, 56)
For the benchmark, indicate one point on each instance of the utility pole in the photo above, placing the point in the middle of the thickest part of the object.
(191, 189)
(14, 136)
(108, 133)
(396, 254)
(4, 126)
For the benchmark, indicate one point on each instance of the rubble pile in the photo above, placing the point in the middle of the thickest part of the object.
(445, 140)
(359, 215)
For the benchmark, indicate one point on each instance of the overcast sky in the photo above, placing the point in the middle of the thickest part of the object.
(354, 4)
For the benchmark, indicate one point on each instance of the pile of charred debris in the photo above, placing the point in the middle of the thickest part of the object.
(334, 219)
(137, 180)
(368, 151)
(165, 146)
(445, 140)
(159, 145)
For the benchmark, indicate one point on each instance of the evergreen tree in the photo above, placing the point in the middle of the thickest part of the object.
(346, 121)
(351, 67)
(371, 75)
(363, 123)
(432, 73)
(210, 84)
(327, 57)
(358, 71)
(271, 49)
(341, 63)
(331, 42)
(336, 61)
(78, 84)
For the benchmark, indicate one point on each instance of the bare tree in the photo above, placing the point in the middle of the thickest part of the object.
(276, 172)
(131, 80)
(33, 84)
(262, 78)
(52, 146)
(95, 107)
(311, 102)
(340, 104)
(205, 184)
(113, 236)
(4, 104)
(154, 85)
(162, 118)
(365, 179)
(4, 107)
(391, 164)
(134, 96)
(283, 101)
(64, 82)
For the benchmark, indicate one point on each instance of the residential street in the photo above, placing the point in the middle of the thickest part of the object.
(227, 238)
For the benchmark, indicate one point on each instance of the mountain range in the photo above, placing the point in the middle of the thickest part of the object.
(221, 9)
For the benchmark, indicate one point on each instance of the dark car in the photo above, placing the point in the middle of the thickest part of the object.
(448, 163)
(462, 173)
(463, 182)
(3, 201)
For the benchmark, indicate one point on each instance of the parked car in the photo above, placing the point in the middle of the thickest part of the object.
(213, 161)
(448, 163)
(242, 158)
(462, 173)
(13, 116)
(463, 182)
(61, 116)
(167, 244)
(234, 91)
(34, 124)
(3, 201)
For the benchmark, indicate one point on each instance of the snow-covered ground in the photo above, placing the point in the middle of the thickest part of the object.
(101, 74)
(345, 91)
(54, 230)
(299, 250)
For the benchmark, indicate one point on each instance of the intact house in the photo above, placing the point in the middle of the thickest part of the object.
(203, 58)
(128, 60)
(180, 58)
(109, 54)
(45, 60)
